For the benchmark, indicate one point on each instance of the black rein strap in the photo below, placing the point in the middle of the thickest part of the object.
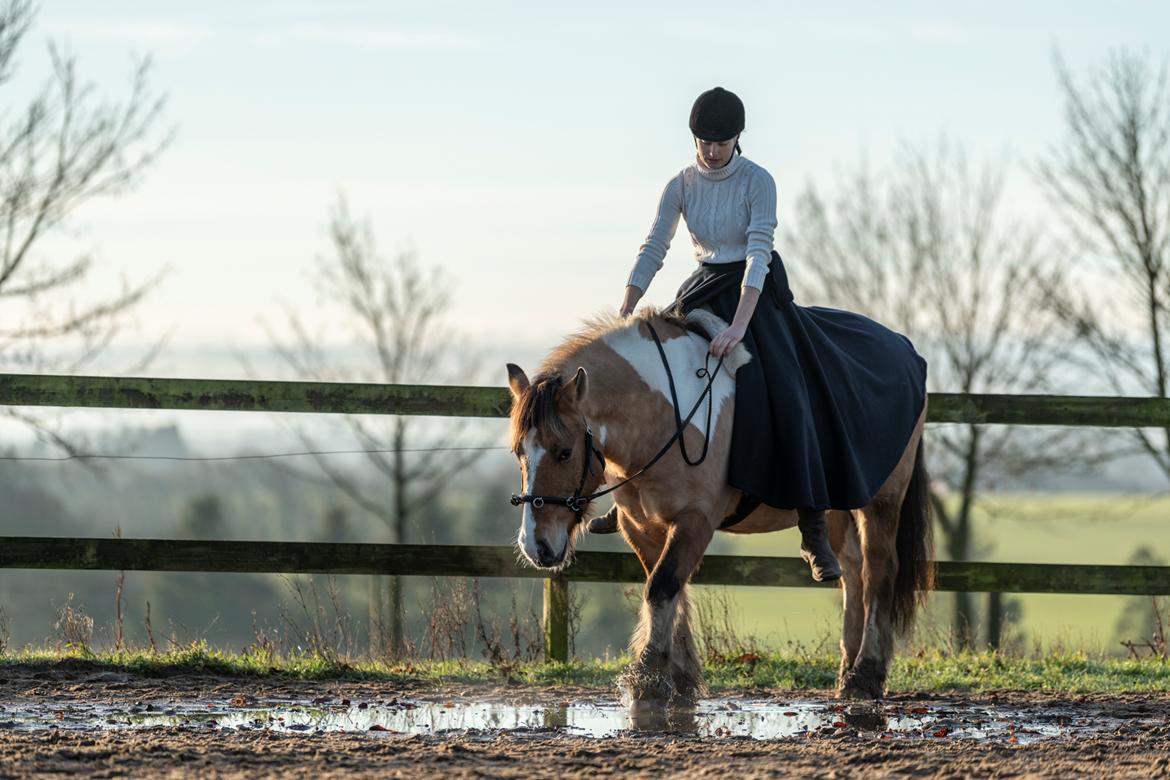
(678, 423)
(578, 502)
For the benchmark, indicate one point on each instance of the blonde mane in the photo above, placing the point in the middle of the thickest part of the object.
(598, 327)
(536, 407)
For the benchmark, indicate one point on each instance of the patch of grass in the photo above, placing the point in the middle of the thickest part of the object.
(772, 670)
(1058, 672)
(925, 672)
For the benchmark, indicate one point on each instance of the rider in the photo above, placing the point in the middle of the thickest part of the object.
(729, 203)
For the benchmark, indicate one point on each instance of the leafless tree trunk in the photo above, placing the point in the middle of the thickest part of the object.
(58, 151)
(1110, 179)
(396, 314)
(930, 249)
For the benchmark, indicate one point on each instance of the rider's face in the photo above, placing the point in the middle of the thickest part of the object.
(715, 154)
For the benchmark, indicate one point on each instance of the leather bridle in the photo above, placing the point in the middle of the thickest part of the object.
(578, 502)
(575, 502)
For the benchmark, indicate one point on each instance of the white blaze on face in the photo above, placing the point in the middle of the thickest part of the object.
(533, 453)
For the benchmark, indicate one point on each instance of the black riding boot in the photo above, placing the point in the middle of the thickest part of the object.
(604, 524)
(814, 545)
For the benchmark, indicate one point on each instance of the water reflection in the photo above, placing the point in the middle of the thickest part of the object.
(729, 717)
(866, 717)
(655, 716)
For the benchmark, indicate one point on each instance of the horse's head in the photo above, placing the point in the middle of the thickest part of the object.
(559, 463)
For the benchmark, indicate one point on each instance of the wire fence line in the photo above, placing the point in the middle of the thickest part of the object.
(256, 456)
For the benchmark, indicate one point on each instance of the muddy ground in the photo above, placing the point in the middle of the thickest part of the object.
(1136, 744)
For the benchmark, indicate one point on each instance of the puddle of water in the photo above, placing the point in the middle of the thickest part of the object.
(732, 717)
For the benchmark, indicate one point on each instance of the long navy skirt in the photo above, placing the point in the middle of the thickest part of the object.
(825, 408)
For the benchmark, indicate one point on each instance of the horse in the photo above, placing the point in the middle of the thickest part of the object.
(599, 410)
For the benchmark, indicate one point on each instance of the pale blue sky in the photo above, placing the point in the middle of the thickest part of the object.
(521, 147)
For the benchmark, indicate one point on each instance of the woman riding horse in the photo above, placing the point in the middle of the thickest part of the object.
(816, 410)
(801, 436)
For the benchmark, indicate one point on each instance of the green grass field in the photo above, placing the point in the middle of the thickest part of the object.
(1052, 528)
(919, 672)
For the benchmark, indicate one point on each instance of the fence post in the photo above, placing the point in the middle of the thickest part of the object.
(556, 618)
(994, 619)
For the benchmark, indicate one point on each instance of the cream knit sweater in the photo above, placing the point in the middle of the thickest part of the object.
(730, 213)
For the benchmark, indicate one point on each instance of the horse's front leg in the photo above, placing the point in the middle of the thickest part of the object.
(665, 666)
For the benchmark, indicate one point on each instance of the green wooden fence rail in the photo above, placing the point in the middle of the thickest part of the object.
(441, 560)
(431, 560)
(246, 395)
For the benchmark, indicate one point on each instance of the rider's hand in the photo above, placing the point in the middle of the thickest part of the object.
(629, 300)
(727, 340)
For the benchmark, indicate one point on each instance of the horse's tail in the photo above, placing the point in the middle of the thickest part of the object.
(915, 545)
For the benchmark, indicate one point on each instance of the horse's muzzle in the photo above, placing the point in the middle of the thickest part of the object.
(545, 556)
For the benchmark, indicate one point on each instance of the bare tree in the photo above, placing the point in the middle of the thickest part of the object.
(61, 149)
(930, 248)
(396, 314)
(1110, 179)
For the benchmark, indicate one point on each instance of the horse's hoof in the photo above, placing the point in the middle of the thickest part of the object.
(641, 686)
(859, 688)
(857, 693)
(688, 689)
(866, 679)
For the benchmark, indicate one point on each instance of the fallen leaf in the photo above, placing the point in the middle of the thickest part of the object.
(790, 714)
(378, 727)
(942, 732)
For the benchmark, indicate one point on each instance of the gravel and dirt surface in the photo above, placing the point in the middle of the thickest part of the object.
(1123, 735)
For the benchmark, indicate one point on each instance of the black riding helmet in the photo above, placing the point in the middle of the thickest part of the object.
(717, 115)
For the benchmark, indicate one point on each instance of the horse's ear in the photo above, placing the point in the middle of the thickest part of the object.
(517, 380)
(578, 384)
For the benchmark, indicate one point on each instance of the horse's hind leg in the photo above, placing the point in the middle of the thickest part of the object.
(877, 527)
(853, 596)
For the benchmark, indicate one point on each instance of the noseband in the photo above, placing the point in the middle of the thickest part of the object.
(578, 502)
(575, 502)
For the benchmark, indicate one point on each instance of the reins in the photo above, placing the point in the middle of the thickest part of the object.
(577, 502)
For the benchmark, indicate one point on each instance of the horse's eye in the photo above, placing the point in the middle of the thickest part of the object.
(564, 456)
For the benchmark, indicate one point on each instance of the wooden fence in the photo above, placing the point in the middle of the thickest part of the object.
(479, 561)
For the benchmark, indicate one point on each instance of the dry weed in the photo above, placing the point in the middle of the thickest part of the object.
(74, 628)
(1155, 645)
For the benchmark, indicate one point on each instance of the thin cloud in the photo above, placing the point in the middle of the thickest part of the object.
(939, 32)
(135, 32)
(368, 38)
